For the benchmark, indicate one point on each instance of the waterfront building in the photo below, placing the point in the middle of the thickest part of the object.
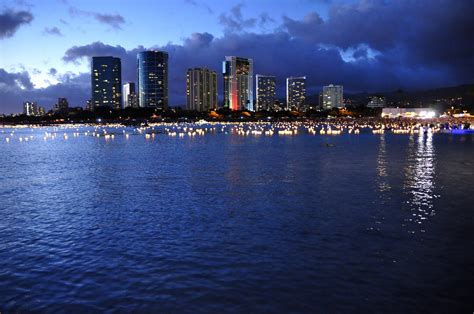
(408, 113)
(30, 108)
(106, 81)
(152, 66)
(201, 89)
(265, 90)
(295, 92)
(238, 83)
(376, 102)
(333, 96)
(129, 95)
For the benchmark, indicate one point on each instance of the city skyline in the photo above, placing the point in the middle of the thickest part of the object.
(299, 38)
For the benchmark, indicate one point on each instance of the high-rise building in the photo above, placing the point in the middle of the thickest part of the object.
(152, 69)
(30, 108)
(133, 100)
(238, 83)
(62, 104)
(129, 95)
(201, 89)
(265, 89)
(376, 101)
(89, 105)
(106, 80)
(295, 92)
(41, 111)
(333, 96)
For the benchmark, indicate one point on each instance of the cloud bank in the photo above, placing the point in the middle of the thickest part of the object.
(10, 22)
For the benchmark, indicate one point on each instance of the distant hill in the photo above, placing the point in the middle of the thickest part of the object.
(462, 95)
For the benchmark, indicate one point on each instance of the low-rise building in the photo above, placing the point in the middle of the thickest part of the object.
(423, 113)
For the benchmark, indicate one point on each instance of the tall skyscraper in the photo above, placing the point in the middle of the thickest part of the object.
(295, 92)
(106, 81)
(201, 89)
(129, 95)
(333, 96)
(238, 83)
(265, 89)
(30, 108)
(153, 79)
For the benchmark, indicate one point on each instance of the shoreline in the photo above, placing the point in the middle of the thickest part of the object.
(334, 126)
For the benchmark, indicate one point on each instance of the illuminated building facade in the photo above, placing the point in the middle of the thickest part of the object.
(129, 95)
(106, 81)
(422, 113)
(295, 92)
(201, 89)
(152, 68)
(30, 108)
(333, 96)
(238, 83)
(265, 90)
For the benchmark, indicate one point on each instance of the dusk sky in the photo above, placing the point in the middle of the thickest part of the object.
(45, 46)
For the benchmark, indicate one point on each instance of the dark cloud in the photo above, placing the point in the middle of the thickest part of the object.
(413, 32)
(15, 80)
(15, 88)
(52, 71)
(235, 22)
(76, 53)
(113, 20)
(199, 40)
(11, 20)
(265, 19)
(52, 31)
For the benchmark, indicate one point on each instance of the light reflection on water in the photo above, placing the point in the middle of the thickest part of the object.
(383, 183)
(419, 180)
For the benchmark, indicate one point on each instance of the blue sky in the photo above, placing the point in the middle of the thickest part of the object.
(147, 23)
(366, 45)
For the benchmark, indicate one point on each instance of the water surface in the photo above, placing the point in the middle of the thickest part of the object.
(228, 223)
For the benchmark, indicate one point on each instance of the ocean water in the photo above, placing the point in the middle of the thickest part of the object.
(237, 224)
